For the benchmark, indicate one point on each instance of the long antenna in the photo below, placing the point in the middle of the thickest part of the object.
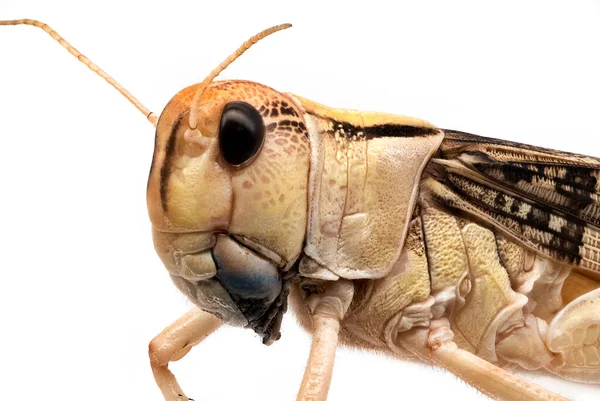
(193, 123)
(138, 105)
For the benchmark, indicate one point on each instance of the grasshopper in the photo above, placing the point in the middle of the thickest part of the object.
(381, 232)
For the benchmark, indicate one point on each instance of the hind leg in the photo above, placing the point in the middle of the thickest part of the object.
(568, 347)
(574, 336)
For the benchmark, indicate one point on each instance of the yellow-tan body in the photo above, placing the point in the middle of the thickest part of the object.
(485, 284)
(391, 234)
(356, 208)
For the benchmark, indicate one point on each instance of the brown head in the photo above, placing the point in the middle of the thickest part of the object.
(227, 197)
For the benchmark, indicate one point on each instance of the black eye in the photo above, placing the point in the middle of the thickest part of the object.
(241, 133)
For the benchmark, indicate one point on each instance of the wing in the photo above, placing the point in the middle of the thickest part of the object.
(547, 200)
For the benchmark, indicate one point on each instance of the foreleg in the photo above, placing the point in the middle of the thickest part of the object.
(327, 309)
(173, 343)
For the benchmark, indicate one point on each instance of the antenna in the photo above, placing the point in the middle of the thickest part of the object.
(193, 122)
(138, 105)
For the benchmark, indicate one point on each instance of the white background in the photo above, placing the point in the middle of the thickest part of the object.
(81, 290)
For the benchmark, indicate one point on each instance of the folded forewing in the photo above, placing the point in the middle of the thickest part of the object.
(547, 200)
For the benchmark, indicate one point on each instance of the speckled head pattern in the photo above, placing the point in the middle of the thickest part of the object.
(192, 188)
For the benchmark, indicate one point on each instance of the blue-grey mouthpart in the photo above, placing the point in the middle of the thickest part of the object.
(255, 284)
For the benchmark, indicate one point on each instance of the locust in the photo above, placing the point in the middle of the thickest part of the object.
(379, 231)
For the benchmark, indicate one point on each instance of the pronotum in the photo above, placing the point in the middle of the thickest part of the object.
(347, 132)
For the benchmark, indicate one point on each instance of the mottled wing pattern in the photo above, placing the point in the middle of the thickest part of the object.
(545, 199)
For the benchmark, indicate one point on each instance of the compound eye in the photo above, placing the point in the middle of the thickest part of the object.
(241, 133)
